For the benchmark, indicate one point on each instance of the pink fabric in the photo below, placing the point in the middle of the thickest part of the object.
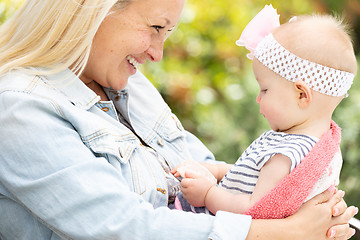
(258, 28)
(287, 197)
(178, 204)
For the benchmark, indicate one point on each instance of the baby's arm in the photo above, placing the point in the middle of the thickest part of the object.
(271, 174)
(218, 170)
(199, 192)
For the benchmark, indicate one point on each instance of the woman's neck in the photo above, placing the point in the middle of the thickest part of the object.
(98, 90)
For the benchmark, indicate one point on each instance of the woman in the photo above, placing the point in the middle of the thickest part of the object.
(89, 141)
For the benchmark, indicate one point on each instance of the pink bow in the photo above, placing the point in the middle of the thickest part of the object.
(259, 27)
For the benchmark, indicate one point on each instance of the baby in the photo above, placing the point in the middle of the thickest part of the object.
(304, 68)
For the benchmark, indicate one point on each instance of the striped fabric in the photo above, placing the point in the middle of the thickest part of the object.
(243, 176)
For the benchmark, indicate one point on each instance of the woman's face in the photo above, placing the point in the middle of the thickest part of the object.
(129, 37)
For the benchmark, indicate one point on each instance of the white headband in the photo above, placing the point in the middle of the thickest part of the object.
(320, 78)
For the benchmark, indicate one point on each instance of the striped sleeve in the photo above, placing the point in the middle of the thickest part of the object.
(243, 176)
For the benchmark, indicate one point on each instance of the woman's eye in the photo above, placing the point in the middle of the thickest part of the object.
(157, 27)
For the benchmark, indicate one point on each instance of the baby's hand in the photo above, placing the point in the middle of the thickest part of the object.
(195, 167)
(179, 170)
(195, 187)
(196, 181)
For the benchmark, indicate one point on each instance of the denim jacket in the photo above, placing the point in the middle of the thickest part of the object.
(69, 169)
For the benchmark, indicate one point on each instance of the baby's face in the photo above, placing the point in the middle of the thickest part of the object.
(277, 98)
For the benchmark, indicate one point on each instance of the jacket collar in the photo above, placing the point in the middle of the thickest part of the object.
(73, 88)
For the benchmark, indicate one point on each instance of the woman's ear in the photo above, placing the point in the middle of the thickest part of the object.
(304, 93)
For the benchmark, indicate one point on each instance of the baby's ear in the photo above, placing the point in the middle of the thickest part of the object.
(304, 93)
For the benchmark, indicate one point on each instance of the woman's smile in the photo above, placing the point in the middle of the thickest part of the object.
(132, 63)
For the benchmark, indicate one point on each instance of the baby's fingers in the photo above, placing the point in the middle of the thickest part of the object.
(186, 183)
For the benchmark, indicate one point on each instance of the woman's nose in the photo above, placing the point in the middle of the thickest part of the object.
(156, 50)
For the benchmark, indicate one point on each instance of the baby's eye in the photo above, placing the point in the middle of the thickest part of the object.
(157, 27)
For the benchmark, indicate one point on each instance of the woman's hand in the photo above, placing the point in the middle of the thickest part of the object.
(325, 217)
(340, 210)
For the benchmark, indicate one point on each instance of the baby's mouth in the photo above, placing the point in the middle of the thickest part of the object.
(132, 61)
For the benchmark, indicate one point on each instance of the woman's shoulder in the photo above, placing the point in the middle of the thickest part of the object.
(16, 86)
(15, 81)
(25, 81)
(62, 87)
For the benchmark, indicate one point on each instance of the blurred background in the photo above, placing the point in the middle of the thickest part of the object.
(208, 81)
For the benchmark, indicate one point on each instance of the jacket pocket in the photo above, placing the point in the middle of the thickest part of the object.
(171, 130)
(119, 151)
(103, 143)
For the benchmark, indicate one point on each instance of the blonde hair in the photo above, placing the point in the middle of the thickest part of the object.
(52, 34)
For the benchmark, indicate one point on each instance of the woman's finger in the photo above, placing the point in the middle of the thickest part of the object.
(341, 228)
(346, 216)
(322, 197)
(338, 231)
(339, 208)
(336, 198)
(350, 232)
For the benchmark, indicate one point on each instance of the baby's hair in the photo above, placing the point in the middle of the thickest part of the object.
(323, 39)
(336, 21)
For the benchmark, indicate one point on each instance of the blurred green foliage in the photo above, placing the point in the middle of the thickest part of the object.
(7, 8)
(208, 81)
